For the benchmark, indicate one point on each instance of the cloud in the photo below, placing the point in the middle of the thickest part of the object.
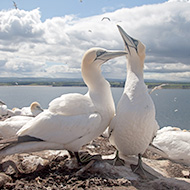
(20, 25)
(27, 44)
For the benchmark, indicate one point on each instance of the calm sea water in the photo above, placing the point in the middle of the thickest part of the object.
(172, 105)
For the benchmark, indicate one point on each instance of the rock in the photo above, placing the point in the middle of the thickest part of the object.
(56, 170)
(4, 179)
(186, 173)
(168, 183)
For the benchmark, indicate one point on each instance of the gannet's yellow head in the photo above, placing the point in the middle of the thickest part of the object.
(134, 48)
(36, 108)
(99, 56)
(13, 109)
(92, 61)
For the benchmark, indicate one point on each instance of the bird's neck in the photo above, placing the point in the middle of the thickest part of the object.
(93, 78)
(135, 69)
(135, 78)
(99, 88)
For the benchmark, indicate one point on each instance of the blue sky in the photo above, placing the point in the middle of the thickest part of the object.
(49, 8)
(48, 38)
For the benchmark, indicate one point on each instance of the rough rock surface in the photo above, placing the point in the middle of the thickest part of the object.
(56, 170)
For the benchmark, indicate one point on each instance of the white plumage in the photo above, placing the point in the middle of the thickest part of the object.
(73, 120)
(175, 143)
(3, 110)
(33, 110)
(134, 126)
(10, 126)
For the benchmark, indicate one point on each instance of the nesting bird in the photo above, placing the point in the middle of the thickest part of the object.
(72, 120)
(33, 110)
(19, 117)
(134, 126)
(175, 143)
(10, 126)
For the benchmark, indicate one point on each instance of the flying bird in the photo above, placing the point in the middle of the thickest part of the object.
(157, 88)
(134, 126)
(71, 120)
(15, 5)
(105, 18)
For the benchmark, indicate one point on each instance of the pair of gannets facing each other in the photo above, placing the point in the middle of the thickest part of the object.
(33, 110)
(134, 126)
(72, 120)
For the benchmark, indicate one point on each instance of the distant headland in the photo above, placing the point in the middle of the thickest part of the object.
(58, 82)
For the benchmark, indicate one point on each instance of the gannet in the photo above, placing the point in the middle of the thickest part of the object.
(33, 110)
(175, 143)
(3, 110)
(72, 120)
(134, 126)
(106, 18)
(157, 88)
(10, 126)
(15, 5)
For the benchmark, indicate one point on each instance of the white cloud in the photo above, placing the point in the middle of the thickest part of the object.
(187, 1)
(166, 67)
(62, 71)
(27, 44)
(20, 25)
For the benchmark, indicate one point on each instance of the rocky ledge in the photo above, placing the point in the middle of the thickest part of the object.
(56, 170)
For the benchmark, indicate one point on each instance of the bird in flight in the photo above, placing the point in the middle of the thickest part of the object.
(106, 18)
(15, 5)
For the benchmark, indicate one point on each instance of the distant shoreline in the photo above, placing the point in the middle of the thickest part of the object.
(119, 84)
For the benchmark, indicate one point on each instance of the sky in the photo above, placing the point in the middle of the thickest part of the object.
(43, 38)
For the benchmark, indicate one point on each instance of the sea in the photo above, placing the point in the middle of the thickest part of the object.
(172, 105)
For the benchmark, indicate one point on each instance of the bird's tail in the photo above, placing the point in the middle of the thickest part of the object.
(26, 144)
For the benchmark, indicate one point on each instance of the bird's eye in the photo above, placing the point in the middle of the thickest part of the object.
(99, 53)
(135, 42)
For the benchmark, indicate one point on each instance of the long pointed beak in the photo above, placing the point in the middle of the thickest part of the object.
(39, 108)
(128, 40)
(107, 55)
(2, 103)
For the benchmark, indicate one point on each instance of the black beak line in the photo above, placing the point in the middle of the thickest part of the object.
(133, 42)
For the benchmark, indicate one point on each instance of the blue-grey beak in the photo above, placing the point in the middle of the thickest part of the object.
(128, 40)
(107, 55)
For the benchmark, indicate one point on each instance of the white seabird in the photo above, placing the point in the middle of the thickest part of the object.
(72, 120)
(3, 110)
(134, 126)
(33, 110)
(175, 143)
(10, 126)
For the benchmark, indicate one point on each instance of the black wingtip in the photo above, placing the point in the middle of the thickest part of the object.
(27, 138)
